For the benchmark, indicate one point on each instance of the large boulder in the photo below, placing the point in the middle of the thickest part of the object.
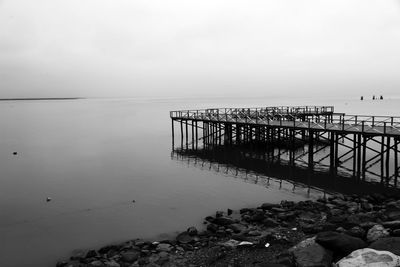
(391, 244)
(369, 258)
(339, 243)
(377, 232)
(313, 255)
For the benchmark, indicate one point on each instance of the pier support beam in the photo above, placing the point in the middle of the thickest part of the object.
(311, 150)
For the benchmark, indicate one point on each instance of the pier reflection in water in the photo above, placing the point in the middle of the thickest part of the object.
(254, 166)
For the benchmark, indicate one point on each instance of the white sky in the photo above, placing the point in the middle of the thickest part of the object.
(116, 48)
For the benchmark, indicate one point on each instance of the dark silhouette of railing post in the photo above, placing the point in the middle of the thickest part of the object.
(311, 149)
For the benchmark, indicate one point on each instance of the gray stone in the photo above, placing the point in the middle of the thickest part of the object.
(212, 228)
(312, 256)
(269, 222)
(237, 227)
(78, 254)
(130, 256)
(392, 224)
(356, 231)
(339, 243)
(369, 258)
(257, 216)
(96, 263)
(396, 232)
(223, 220)
(391, 244)
(377, 232)
(192, 231)
(268, 206)
(164, 247)
(305, 243)
(112, 263)
(185, 238)
(394, 215)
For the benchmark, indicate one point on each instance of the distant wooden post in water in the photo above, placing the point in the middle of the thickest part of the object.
(363, 147)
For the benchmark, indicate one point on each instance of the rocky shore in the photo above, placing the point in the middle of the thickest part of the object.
(338, 231)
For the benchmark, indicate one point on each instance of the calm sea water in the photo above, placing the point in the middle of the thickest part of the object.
(93, 157)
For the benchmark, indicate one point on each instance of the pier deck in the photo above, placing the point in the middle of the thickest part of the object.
(313, 118)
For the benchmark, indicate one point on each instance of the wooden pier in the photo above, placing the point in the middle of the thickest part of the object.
(315, 137)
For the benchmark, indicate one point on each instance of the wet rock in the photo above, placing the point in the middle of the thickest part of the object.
(254, 233)
(229, 212)
(305, 243)
(367, 206)
(212, 228)
(377, 232)
(237, 227)
(393, 215)
(396, 232)
(91, 254)
(277, 210)
(367, 225)
(339, 243)
(338, 220)
(268, 206)
(269, 222)
(139, 243)
(232, 243)
(78, 254)
(164, 247)
(185, 237)
(215, 253)
(61, 263)
(312, 255)
(111, 263)
(392, 224)
(391, 244)
(257, 216)
(219, 214)
(369, 258)
(356, 231)
(106, 249)
(192, 231)
(223, 221)
(246, 210)
(96, 263)
(287, 216)
(130, 256)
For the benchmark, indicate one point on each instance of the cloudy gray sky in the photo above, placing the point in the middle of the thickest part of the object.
(117, 48)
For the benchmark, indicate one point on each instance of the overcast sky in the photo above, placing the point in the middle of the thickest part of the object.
(115, 48)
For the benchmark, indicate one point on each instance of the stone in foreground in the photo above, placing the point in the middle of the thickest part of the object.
(312, 256)
(339, 243)
(391, 244)
(367, 257)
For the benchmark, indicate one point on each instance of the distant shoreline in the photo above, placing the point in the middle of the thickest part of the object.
(40, 98)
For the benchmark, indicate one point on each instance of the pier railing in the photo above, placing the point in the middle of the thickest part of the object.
(253, 112)
(302, 117)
